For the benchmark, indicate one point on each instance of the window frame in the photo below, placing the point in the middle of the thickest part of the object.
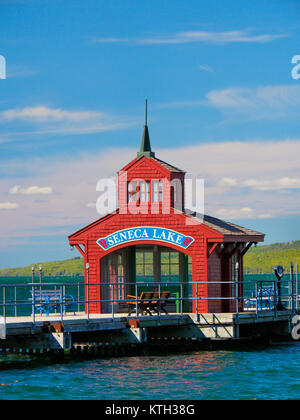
(145, 191)
(157, 188)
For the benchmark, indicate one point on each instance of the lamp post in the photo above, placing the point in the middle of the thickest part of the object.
(41, 273)
(279, 272)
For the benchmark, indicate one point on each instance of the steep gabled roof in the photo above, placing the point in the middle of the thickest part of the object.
(227, 229)
(168, 166)
(222, 226)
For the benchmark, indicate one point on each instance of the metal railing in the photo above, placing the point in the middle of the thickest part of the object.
(43, 300)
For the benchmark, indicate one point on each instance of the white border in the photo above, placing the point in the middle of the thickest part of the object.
(150, 240)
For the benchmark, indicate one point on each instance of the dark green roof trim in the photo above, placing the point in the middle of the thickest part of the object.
(145, 149)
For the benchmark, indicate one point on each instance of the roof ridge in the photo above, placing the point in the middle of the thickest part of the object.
(169, 164)
(222, 225)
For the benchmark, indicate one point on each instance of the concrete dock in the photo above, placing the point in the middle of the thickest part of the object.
(44, 334)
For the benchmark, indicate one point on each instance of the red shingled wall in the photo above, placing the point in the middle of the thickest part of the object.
(175, 222)
(149, 169)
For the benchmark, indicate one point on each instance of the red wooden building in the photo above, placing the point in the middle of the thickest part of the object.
(151, 237)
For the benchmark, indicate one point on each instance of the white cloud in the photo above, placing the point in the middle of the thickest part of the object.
(264, 102)
(265, 216)
(112, 40)
(235, 213)
(226, 37)
(276, 184)
(20, 72)
(275, 97)
(30, 190)
(228, 182)
(284, 183)
(231, 98)
(241, 213)
(91, 205)
(43, 113)
(74, 180)
(59, 121)
(9, 206)
(205, 67)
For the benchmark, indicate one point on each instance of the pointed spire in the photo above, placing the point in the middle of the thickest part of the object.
(145, 149)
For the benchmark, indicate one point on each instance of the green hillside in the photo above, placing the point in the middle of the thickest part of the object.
(73, 267)
(263, 258)
(258, 260)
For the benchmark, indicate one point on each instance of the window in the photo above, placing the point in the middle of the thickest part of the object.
(157, 191)
(120, 278)
(169, 266)
(132, 191)
(144, 266)
(138, 190)
(176, 194)
(144, 192)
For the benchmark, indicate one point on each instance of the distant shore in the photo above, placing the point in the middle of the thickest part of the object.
(258, 260)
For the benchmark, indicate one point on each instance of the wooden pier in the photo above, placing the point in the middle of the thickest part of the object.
(103, 334)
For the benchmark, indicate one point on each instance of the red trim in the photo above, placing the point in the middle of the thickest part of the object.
(78, 247)
(212, 249)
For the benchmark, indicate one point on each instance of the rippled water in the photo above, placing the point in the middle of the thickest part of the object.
(272, 373)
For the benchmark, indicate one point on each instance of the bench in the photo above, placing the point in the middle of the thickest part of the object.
(141, 303)
(46, 301)
(149, 301)
(157, 304)
(266, 298)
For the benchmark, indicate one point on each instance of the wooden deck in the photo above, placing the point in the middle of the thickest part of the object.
(81, 322)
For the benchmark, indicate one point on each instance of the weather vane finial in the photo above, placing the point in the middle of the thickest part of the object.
(146, 112)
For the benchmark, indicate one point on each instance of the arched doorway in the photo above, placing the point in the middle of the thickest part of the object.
(135, 269)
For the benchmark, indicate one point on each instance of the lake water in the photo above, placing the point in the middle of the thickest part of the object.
(268, 373)
(271, 373)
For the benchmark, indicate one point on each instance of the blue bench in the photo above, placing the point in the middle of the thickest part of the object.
(265, 299)
(46, 301)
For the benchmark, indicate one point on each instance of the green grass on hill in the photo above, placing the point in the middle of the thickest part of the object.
(257, 260)
(73, 267)
(264, 258)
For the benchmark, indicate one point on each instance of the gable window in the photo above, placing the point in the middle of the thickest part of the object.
(157, 191)
(139, 191)
(144, 192)
(132, 191)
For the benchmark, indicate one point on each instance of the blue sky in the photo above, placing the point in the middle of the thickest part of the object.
(222, 104)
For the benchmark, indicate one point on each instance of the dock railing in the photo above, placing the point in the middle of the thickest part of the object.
(44, 300)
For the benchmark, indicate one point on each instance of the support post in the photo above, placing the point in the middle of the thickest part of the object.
(297, 287)
(185, 282)
(237, 289)
(292, 287)
(33, 294)
(88, 290)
